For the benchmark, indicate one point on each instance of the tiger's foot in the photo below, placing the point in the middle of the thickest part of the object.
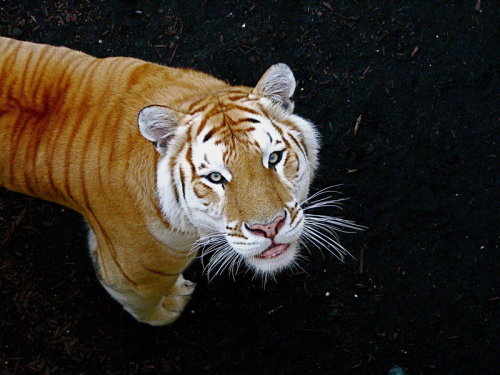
(155, 309)
(172, 305)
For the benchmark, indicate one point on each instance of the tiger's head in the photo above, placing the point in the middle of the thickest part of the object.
(235, 166)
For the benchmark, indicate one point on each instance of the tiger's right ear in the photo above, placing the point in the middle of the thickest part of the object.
(157, 124)
(278, 84)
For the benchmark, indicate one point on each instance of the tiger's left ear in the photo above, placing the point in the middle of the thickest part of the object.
(158, 124)
(278, 84)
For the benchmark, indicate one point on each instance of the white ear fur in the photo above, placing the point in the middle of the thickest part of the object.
(278, 83)
(157, 124)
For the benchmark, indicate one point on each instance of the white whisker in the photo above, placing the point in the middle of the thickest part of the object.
(334, 243)
(321, 231)
(326, 202)
(335, 222)
(327, 190)
(316, 238)
(325, 227)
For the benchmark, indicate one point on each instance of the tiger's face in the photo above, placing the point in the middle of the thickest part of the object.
(236, 169)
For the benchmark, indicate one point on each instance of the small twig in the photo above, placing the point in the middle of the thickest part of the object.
(173, 53)
(272, 311)
(366, 71)
(414, 52)
(356, 126)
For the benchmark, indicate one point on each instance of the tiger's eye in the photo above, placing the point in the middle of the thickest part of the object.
(275, 158)
(216, 178)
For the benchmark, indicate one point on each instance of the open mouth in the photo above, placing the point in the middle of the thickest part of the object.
(273, 251)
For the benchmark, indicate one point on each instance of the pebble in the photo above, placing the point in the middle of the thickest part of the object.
(396, 370)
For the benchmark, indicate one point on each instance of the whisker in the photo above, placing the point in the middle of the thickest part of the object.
(296, 263)
(227, 263)
(307, 238)
(333, 242)
(317, 240)
(328, 189)
(303, 244)
(213, 262)
(337, 223)
(207, 248)
(326, 227)
(326, 202)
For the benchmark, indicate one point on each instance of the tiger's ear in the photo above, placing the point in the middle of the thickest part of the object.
(278, 84)
(157, 124)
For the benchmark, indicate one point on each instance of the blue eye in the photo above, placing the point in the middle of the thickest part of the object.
(275, 158)
(215, 178)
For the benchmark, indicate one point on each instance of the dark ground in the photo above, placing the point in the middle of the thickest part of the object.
(420, 78)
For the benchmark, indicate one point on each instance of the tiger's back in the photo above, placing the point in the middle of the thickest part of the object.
(65, 120)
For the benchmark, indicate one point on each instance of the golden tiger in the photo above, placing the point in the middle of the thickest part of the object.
(161, 162)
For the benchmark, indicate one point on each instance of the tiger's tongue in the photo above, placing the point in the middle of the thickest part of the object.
(273, 251)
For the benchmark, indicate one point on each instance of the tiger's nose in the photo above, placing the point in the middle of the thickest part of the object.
(267, 230)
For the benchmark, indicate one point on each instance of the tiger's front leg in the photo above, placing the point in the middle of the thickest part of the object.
(155, 308)
(157, 301)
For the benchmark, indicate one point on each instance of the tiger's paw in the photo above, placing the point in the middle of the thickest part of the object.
(173, 304)
(182, 287)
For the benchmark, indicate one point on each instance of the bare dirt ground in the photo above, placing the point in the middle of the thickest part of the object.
(406, 97)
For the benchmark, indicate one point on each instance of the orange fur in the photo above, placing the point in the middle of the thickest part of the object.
(69, 135)
(68, 125)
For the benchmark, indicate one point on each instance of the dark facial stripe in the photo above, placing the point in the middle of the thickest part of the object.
(270, 138)
(245, 109)
(254, 120)
(299, 144)
(183, 182)
(277, 128)
(194, 104)
(189, 158)
(209, 135)
(172, 166)
(236, 97)
(295, 225)
(213, 112)
(201, 108)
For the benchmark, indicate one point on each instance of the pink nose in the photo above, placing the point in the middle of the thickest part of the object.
(268, 230)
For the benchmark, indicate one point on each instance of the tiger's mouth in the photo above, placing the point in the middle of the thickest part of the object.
(273, 251)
